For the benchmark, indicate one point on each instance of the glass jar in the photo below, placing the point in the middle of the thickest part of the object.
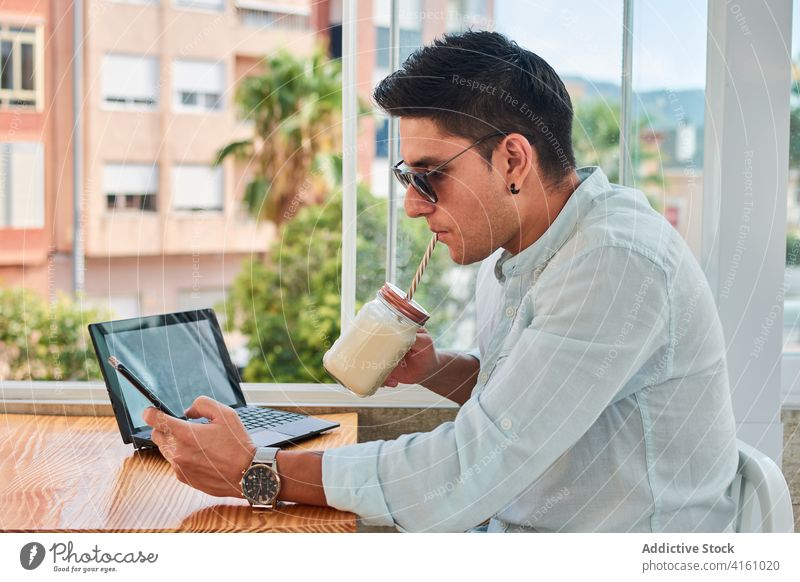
(381, 334)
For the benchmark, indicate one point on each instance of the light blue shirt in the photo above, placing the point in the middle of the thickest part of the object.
(602, 402)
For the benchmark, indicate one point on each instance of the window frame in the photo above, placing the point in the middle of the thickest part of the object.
(220, 175)
(35, 37)
(36, 149)
(726, 43)
(748, 312)
(200, 107)
(199, 7)
(130, 104)
(154, 170)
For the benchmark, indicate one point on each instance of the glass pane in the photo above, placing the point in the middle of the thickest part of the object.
(669, 75)
(265, 244)
(7, 64)
(791, 303)
(27, 67)
(188, 98)
(582, 43)
(212, 101)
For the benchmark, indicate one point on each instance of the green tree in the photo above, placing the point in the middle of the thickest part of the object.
(596, 131)
(41, 341)
(295, 107)
(595, 136)
(289, 307)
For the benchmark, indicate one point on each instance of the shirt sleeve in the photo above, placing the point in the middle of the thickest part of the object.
(475, 353)
(593, 322)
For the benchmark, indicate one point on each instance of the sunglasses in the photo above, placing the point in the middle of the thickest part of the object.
(421, 180)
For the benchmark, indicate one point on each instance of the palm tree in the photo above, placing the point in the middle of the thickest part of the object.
(295, 106)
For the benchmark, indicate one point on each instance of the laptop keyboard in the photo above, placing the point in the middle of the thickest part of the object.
(257, 418)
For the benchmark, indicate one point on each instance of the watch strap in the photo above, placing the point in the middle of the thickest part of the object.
(265, 456)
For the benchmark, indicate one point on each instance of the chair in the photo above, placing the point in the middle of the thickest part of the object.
(763, 502)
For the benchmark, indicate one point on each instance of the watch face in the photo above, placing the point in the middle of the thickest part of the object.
(260, 485)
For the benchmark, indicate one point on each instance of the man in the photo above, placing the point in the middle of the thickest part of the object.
(599, 398)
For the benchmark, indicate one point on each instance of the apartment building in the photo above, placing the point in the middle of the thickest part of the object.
(27, 156)
(165, 228)
(162, 227)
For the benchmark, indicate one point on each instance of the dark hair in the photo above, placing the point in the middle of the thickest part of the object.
(474, 83)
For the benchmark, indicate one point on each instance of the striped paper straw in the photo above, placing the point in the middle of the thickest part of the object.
(422, 265)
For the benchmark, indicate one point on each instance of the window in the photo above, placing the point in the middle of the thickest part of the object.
(216, 5)
(130, 187)
(410, 40)
(567, 38)
(130, 81)
(21, 185)
(20, 77)
(197, 187)
(198, 85)
(791, 304)
(268, 15)
(668, 110)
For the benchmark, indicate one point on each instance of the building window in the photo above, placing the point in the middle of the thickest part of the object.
(198, 85)
(215, 5)
(197, 187)
(410, 40)
(21, 185)
(130, 81)
(382, 138)
(20, 74)
(130, 187)
(269, 15)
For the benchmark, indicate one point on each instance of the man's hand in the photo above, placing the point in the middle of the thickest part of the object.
(448, 373)
(209, 457)
(419, 364)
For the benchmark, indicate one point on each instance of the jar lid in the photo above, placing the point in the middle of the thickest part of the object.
(397, 299)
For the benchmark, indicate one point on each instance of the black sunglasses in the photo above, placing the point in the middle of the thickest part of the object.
(421, 180)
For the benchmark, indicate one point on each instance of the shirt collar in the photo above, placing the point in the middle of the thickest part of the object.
(592, 182)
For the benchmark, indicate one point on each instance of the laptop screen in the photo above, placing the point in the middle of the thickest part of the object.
(179, 357)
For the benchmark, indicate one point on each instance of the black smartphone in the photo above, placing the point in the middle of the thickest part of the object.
(139, 385)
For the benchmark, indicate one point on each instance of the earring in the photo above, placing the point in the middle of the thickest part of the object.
(513, 188)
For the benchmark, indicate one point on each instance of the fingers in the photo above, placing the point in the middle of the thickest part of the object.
(391, 382)
(161, 421)
(166, 442)
(205, 407)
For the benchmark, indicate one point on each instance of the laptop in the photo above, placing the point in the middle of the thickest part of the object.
(180, 356)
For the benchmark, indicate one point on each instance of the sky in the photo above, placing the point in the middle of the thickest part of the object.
(584, 38)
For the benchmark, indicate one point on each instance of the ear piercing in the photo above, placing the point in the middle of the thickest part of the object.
(513, 188)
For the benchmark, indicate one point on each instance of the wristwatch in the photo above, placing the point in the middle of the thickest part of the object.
(260, 481)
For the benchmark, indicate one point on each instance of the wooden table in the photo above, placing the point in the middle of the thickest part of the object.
(70, 474)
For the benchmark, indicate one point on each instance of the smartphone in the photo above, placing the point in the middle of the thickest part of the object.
(139, 385)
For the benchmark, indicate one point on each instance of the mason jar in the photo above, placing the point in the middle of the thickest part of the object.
(378, 338)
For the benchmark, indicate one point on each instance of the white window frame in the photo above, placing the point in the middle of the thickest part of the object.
(35, 182)
(130, 105)
(154, 175)
(220, 175)
(33, 36)
(140, 2)
(731, 57)
(275, 15)
(177, 100)
(199, 6)
(751, 309)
